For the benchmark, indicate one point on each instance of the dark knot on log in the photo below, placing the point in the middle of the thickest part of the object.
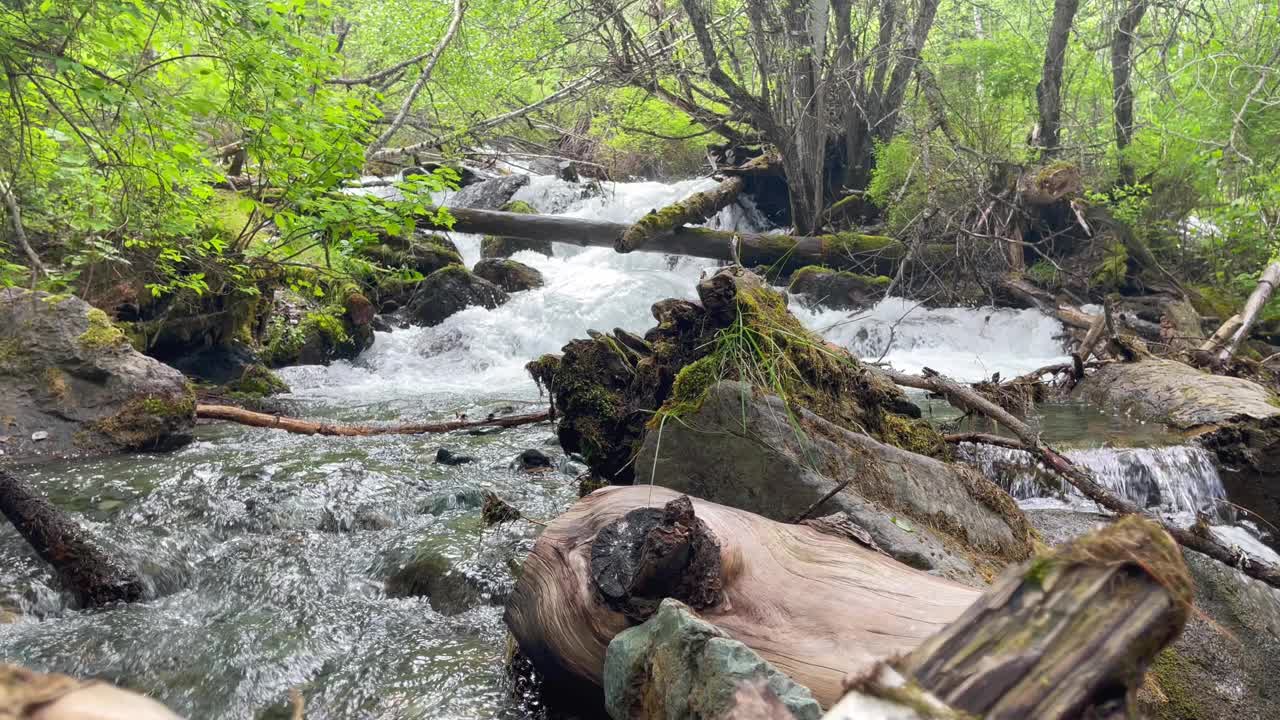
(651, 554)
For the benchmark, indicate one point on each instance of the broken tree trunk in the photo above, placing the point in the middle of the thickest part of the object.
(1219, 336)
(697, 208)
(1066, 635)
(1252, 308)
(311, 427)
(83, 569)
(1198, 539)
(867, 254)
(817, 606)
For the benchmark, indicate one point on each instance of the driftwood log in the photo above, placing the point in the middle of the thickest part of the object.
(1067, 635)
(1197, 538)
(697, 208)
(1252, 309)
(818, 606)
(83, 569)
(312, 427)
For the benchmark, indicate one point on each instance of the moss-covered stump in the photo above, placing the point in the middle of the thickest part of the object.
(302, 332)
(449, 291)
(493, 246)
(71, 384)
(610, 388)
(509, 275)
(1238, 420)
(1224, 663)
(747, 449)
(838, 289)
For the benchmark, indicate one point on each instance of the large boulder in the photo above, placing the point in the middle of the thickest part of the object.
(449, 291)
(676, 665)
(1237, 419)
(749, 450)
(837, 289)
(509, 275)
(1224, 663)
(494, 246)
(72, 385)
(489, 194)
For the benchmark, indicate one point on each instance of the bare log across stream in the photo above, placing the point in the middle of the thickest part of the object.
(83, 569)
(697, 208)
(312, 427)
(1066, 635)
(869, 254)
(1197, 538)
(817, 606)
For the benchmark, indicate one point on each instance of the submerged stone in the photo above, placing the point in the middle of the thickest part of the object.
(445, 456)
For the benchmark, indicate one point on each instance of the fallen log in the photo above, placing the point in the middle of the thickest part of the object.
(91, 576)
(868, 254)
(697, 208)
(1066, 635)
(1219, 336)
(311, 427)
(1252, 308)
(1198, 539)
(817, 606)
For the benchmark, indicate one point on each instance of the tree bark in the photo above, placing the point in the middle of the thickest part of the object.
(696, 208)
(1121, 91)
(83, 569)
(1252, 308)
(311, 427)
(1049, 89)
(1066, 635)
(1198, 539)
(1220, 336)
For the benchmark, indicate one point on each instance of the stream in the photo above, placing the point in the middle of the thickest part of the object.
(267, 552)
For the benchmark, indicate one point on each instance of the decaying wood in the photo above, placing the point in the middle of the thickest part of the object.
(815, 605)
(697, 208)
(965, 397)
(1021, 289)
(1252, 308)
(1087, 346)
(83, 569)
(1219, 336)
(312, 427)
(868, 254)
(1066, 635)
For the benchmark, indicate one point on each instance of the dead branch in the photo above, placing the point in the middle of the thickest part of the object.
(311, 427)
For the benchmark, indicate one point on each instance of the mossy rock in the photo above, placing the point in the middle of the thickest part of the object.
(258, 382)
(509, 275)
(838, 289)
(449, 291)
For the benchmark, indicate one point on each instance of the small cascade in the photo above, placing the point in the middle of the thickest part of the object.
(1173, 479)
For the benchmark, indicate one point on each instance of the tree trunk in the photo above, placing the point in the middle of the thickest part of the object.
(1121, 91)
(696, 208)
(1049, 89)
(1066, 635)
(1220, 336)
(1257, 300)
(311, 427)
(816, 605)
(83, 569)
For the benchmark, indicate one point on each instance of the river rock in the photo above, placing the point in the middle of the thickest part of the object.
(837, 289)
(1237, 419)
(532, 459)
(493, 246)
(451, 290)
(1224, 664)
(445, 456)
(453, 586)
(676, 665)
(489, 194)
(67, 371)
(509, 275)
(748, 450)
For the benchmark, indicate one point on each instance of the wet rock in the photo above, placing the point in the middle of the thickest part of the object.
(218, 365)
(489, 194)
(837, 289)
(381, 324)
(676, 665)
(493, 246)
(449, 291)
(256, 382)
(532, 459)
(453, 586)
(460, 500)
(749, 450)
(66, 371)
(1223, 665)
(509, 275)
(445, 456)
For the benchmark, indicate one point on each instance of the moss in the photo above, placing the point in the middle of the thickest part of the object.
(257, 382)
(1113, 267)
(149, 423)
(11, 355)
(519, 206)
(690, 388)
(914, 434)
(853, 245)
(328, 323)
(1180, 683)
(229, 214)
(56, 383)
(101, 333)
